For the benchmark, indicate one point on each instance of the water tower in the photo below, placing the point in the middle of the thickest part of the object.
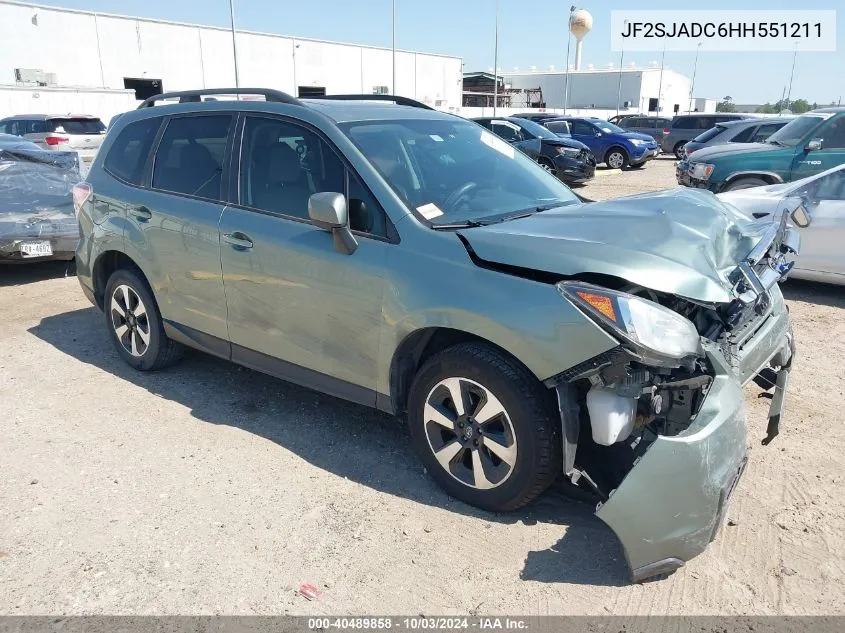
(580, 23)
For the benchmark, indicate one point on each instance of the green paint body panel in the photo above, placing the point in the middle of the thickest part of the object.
(293, 297)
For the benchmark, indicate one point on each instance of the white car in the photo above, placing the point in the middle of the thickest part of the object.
(819, 201)
(79, 133)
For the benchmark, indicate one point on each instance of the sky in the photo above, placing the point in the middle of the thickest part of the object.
(529, 35)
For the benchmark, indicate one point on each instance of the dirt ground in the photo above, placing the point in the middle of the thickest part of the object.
(209, 488)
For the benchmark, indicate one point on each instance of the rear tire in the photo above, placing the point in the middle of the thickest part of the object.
(499, 447)
(135, 325)
(616, 158)
(745, 183)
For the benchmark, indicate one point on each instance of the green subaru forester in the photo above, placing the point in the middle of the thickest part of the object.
(804, 147)
(377, 250)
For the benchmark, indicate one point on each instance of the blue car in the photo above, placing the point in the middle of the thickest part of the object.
(610, 144)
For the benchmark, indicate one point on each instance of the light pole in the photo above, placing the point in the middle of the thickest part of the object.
(791, 73)
(619, 86)
(568, 43)
(660, 84)
(234, 43)
(694, 68)
(394, 47)
(496, 59)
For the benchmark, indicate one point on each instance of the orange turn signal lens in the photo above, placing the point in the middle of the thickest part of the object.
(602, 303)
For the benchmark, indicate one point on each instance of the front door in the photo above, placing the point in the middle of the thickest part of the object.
(298, 308)
(832, 135)
(821, 242)
(588, 135)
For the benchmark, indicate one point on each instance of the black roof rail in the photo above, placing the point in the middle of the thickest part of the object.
(193, 96)
(405, 101)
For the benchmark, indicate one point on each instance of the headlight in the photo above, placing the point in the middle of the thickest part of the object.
(701, 171)
(647, 329)
(568, 151)
(637, 141)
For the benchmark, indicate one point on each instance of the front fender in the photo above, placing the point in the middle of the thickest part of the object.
(528, 319)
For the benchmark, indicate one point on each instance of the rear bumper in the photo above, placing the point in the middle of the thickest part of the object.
(63, 247)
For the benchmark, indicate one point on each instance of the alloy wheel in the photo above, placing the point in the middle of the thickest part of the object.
(470, 433)
(615, 160)
(129, 320)
(546, 167)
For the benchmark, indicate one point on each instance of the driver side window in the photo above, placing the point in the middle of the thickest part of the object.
(506, 131)
(833, 134)
(580, 127)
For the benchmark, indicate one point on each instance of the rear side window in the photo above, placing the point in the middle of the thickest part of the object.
(712, 133)
(76, 126)
(765, 131)
(189, 159)
(128, 154)
(685, 123)
(744, 136)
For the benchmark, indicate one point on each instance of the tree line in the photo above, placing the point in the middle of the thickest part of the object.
(796, 106)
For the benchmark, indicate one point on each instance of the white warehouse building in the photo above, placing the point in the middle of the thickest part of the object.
(600, 89)
(50, 55)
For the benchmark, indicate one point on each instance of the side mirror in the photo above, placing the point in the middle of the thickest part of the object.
(328, 211)
(801, 217)
(598, 133)
(814, 145)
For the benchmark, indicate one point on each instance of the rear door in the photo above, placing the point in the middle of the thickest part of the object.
(172, 230)
(298, 308)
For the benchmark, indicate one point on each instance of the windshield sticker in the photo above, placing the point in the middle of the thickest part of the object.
(429, 211)
(435, 137)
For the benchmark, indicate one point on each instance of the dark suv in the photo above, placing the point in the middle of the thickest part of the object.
(686, 127)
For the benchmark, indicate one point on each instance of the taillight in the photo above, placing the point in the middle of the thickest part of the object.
(55, 140)
(81, 192)
(666, 131)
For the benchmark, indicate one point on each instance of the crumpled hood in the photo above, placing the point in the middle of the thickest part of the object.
(717, 151)
(680, 241)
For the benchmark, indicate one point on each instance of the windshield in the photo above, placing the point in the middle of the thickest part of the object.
(535, 129)
(794, 132)
(711, 133)
(609, 128)
(453, 171)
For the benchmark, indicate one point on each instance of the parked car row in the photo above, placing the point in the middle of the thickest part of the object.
(63, 132)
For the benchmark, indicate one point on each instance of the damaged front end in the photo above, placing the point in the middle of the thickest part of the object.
(655, 428)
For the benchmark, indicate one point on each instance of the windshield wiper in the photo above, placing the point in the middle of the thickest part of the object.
(463, 224)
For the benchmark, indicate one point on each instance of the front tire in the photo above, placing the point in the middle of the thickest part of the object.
(679, 150)
(135, 324)
(616, 158)
(484, 427)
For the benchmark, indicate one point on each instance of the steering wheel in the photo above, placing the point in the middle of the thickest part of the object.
(459, 193)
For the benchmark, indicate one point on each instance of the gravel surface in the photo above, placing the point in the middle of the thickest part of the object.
(209, 488)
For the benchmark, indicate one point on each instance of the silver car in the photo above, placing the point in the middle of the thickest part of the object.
(822, 199)
(81, 133)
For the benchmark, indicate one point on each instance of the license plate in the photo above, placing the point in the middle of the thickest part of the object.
(36, 249)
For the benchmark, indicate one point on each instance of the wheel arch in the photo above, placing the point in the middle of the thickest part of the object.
(770, 177)
(104, 266)
(618, 146)
(416, 348)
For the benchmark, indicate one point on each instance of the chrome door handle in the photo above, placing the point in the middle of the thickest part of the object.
(238, 240)
(142, 213)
